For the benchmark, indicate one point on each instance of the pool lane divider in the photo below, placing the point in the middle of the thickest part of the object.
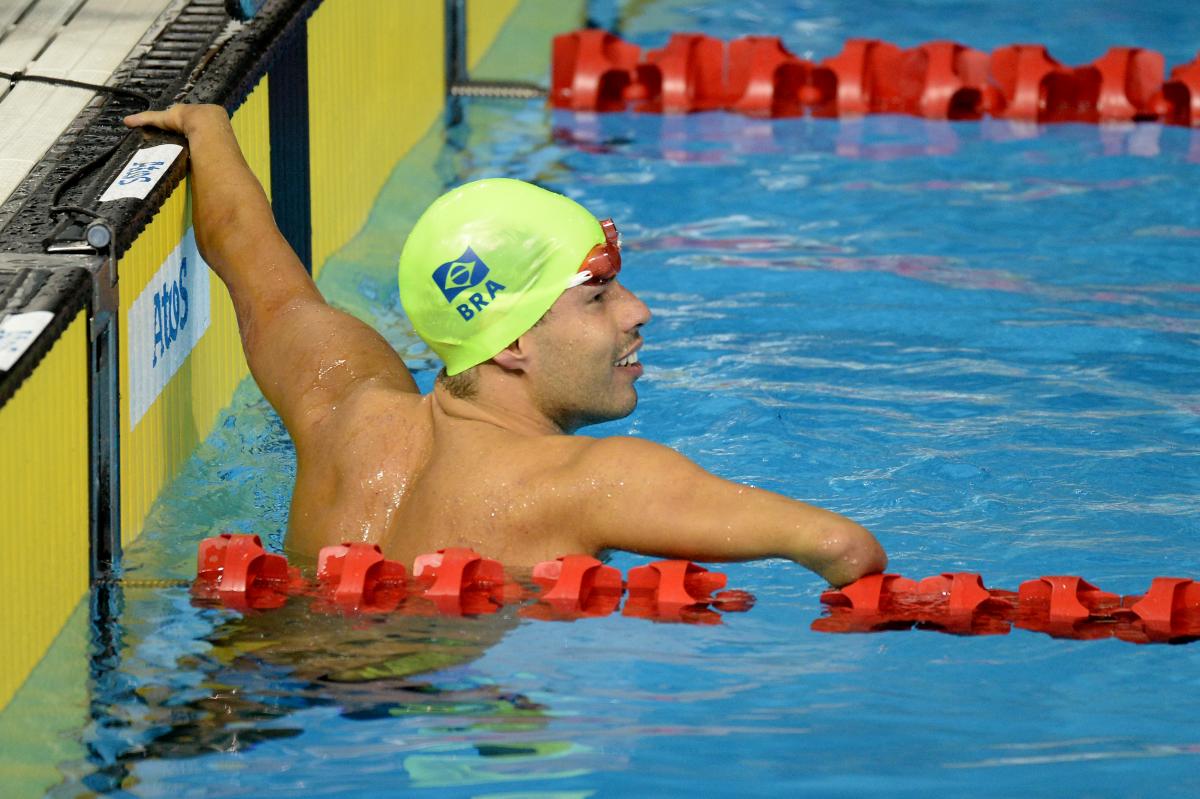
(593, 70)
(235, 571)
(1062, 606)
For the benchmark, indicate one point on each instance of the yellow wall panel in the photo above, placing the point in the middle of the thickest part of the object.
(517, 47)
(182, 415)
(44, 494)
(376, 84)
(39, 728)
(484, 21)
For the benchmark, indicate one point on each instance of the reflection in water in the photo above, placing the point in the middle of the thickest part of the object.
(715, 138)
(252, 679)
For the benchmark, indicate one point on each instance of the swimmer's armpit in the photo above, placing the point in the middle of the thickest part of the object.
(655, 501)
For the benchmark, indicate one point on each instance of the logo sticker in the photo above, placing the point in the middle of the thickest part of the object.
(165, 323)
(17, 334)
(465, 272)
(142, 173)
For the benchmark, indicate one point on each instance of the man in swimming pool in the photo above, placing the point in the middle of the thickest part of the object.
(516, 289)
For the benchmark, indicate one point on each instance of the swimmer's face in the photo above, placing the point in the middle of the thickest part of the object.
(585, 355)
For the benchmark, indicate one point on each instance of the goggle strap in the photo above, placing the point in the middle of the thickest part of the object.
(579, 278)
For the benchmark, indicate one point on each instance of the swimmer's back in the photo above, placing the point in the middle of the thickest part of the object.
(394, 469)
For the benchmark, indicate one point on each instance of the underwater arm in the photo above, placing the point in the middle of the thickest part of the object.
(651, 499)
(305, 355)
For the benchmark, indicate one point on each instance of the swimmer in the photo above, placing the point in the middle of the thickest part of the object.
(517, 290)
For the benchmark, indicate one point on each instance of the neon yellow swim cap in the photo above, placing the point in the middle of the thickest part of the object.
(486, 261)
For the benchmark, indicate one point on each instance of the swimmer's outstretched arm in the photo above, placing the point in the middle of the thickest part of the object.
(306, 356)
(639, 496)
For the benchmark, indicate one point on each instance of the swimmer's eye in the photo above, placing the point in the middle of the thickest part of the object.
(598, 296)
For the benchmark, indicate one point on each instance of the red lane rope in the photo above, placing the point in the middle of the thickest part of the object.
(236, 571)
(1060, 606)
(593, 70)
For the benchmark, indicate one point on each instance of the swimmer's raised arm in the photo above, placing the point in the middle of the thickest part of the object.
(647, 498)
(305, 355)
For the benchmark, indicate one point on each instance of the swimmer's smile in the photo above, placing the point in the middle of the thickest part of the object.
(629, 364)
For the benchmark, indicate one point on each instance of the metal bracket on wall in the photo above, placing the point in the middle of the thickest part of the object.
(456, 56)
(95, 236)
(105, 423)
(458, 81)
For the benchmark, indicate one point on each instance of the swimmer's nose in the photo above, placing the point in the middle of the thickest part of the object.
(639, 312)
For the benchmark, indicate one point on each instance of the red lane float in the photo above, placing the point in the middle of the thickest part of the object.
(756, 75)
(946, 80)
(1131, 82)
(236, 570)
(1030, 82)
(357, 578)
(575, 586)
(765, 80)
(673, 590)
(1061, 606)
(461, 582)
(1179, 103)
(867, 72)
(687, 75)
(1066, 598)
(593, 71)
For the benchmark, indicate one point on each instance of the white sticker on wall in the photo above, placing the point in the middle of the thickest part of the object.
(164, 324)
(142, 173)
(17, 334)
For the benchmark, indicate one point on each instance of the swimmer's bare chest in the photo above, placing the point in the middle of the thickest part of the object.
(412, 481)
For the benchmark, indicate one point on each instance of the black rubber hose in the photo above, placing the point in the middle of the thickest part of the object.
(77, 175)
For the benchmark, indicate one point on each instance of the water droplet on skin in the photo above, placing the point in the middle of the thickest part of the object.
(326, 370)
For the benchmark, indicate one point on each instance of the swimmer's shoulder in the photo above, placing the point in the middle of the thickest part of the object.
(580, 464)
(591, 452)
(376, 413)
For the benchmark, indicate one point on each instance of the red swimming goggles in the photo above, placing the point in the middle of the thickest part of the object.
(603, 262)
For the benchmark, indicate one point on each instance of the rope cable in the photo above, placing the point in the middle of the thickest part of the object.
(79, 173)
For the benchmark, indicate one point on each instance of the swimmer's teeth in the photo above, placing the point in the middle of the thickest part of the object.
(628, 360)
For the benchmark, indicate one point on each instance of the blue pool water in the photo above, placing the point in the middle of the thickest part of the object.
(979, 340)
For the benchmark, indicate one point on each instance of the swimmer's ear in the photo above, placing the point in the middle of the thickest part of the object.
(513, 358)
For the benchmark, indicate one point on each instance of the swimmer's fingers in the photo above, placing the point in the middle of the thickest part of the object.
(185, 119)
(171, 119)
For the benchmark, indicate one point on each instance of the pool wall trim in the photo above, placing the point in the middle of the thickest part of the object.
(125, 444)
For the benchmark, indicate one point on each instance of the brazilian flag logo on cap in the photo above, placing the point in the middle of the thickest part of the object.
(534, 241)
(465, 272)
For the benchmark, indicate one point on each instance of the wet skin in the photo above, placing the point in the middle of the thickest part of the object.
(500, 472)
(494, 486)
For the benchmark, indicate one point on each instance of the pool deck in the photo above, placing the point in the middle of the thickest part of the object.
(82, 41)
